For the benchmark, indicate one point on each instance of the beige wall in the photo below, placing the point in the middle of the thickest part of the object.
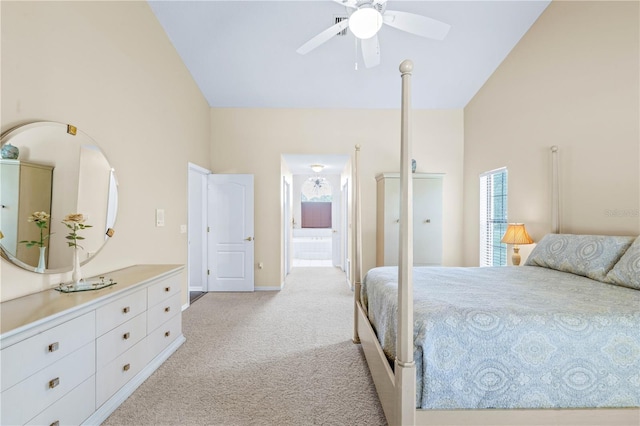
(572, 81)
(253, 140)
(109, 69)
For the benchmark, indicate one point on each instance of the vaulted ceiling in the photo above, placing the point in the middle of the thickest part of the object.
(243, 53)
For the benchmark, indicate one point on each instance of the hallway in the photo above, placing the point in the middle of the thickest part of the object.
(311, 263)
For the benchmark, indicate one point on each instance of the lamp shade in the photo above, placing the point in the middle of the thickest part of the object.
(317, 167)
(516, 234)
(365, 22)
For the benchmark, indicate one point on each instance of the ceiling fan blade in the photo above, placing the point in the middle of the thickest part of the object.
(348, 3)
(371, 51)
(416, 24)
(323, 37)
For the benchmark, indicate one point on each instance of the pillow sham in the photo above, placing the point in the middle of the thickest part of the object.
(591, 256)
(626, 272)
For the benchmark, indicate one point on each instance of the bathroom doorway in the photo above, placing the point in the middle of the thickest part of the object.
(316, 237)
(313, 239)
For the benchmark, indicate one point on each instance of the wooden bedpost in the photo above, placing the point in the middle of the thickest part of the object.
(357, 243)
(555, 192)
(405, 368)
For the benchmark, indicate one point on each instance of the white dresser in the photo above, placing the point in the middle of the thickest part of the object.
(427, 219)
(73, 358)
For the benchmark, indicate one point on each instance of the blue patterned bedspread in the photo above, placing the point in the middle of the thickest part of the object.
(514, 337)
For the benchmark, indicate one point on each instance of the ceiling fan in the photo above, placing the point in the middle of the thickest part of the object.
(365, 20)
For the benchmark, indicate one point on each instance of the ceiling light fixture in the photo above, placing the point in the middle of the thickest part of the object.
(317, 168)
(317, 183)
(365, 22)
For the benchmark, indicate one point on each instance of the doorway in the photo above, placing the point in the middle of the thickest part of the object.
(316, 233)
(220, 260)
(197, 231)
(312, 240)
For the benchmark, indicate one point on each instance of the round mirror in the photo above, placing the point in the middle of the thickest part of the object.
(48, 171)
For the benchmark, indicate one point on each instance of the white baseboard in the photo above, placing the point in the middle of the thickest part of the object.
(262, 288)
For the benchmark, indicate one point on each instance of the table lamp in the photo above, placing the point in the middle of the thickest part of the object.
(516, 234)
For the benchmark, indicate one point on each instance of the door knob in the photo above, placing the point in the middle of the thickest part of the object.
(248, 239)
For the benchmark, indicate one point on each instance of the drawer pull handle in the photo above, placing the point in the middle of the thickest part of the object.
(167, 309)
(167, 333)
(54, 347)
(126, 310)
(126, 335)
(126, 367)
(53, 383)
(56, 423)
(167, 289)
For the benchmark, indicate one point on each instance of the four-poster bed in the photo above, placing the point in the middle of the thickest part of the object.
(483, 327)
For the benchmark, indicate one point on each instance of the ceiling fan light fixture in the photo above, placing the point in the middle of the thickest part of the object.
(365, 22)
(317, 168)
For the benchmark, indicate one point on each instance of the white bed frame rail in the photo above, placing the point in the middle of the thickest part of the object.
(397, 388)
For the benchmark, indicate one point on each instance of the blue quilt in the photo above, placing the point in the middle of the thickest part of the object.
(514, 337)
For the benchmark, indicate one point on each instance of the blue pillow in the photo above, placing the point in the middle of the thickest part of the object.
(626, 272)
(591, 256)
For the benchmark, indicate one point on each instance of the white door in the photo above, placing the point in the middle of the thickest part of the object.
(230, 201)
(286, 225)
(345, 228)
(427, 222)
(336, 211)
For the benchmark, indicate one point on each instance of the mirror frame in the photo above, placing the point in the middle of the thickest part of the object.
(112, 192)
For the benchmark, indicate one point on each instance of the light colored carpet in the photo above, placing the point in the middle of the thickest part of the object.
(263, 358)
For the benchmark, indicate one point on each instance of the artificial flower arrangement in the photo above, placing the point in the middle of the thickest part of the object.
(40, 219)
(75, 222)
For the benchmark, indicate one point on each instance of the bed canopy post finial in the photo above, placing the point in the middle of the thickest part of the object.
(357, 243)
(555, 192)
(405, 369)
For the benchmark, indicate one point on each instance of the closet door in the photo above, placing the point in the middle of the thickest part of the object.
(427, 222)
(427, 219)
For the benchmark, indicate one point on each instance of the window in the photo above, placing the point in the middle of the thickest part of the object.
(316, 198)
(316, 215)
(493, 217)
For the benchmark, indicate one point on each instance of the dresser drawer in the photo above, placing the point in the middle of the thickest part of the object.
(118, 372)
(21, 360)
(119, 311)
(120, 339)
(158, 314)
(71, 409)
(32, 395)
(164, 335)
(163, 289)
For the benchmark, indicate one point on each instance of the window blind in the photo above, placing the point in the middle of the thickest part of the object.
(316, 214)
(493, 217)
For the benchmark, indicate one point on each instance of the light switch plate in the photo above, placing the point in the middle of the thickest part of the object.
(183, 229)
(159, 217)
